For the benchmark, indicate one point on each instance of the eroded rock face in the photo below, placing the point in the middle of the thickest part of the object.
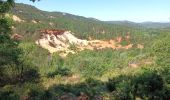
(65, 42)
(59, 41)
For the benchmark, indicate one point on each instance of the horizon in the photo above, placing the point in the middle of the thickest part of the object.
(134, 11)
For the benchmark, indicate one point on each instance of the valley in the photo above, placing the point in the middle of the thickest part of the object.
(61, 56)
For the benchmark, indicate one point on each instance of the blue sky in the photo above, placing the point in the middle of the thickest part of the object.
(132, 10)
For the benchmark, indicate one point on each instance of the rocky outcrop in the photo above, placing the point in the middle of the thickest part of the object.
(17, 19)
(59, 41)
(65, 42)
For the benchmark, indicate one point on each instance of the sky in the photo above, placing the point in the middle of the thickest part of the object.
(110, 10)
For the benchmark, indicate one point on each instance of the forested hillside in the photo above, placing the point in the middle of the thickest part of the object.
(34, 20)
(29, 72)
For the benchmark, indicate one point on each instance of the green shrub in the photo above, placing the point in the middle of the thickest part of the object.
(60, 71)
(33, 91)
(8, 93)
(149, 84)
(89, 87)
(48, 95)
(31, 75)
(120, 87)
(166, 95)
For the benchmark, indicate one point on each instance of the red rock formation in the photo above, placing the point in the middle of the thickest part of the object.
(53, 31)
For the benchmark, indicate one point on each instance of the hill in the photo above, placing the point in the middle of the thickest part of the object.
(155, 25)
(36, 19)
(29, 21)
(33, 20)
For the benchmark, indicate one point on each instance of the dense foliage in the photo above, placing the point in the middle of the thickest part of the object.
(13, 70)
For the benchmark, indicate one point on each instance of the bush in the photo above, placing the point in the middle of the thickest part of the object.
(89, 87)
(120, 87)
(60, 71)
(166, 95)
(33, 91)
(145, 84)
(31, 75)
(161, 50)
(149, 84)
(8, 93)
(48, 95)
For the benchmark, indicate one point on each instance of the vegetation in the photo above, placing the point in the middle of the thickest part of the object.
(28, 72)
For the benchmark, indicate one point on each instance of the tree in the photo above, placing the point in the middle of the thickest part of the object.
(9, 51)
(149, 85)
(5, 6)
(34, 0)
(11, 66)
